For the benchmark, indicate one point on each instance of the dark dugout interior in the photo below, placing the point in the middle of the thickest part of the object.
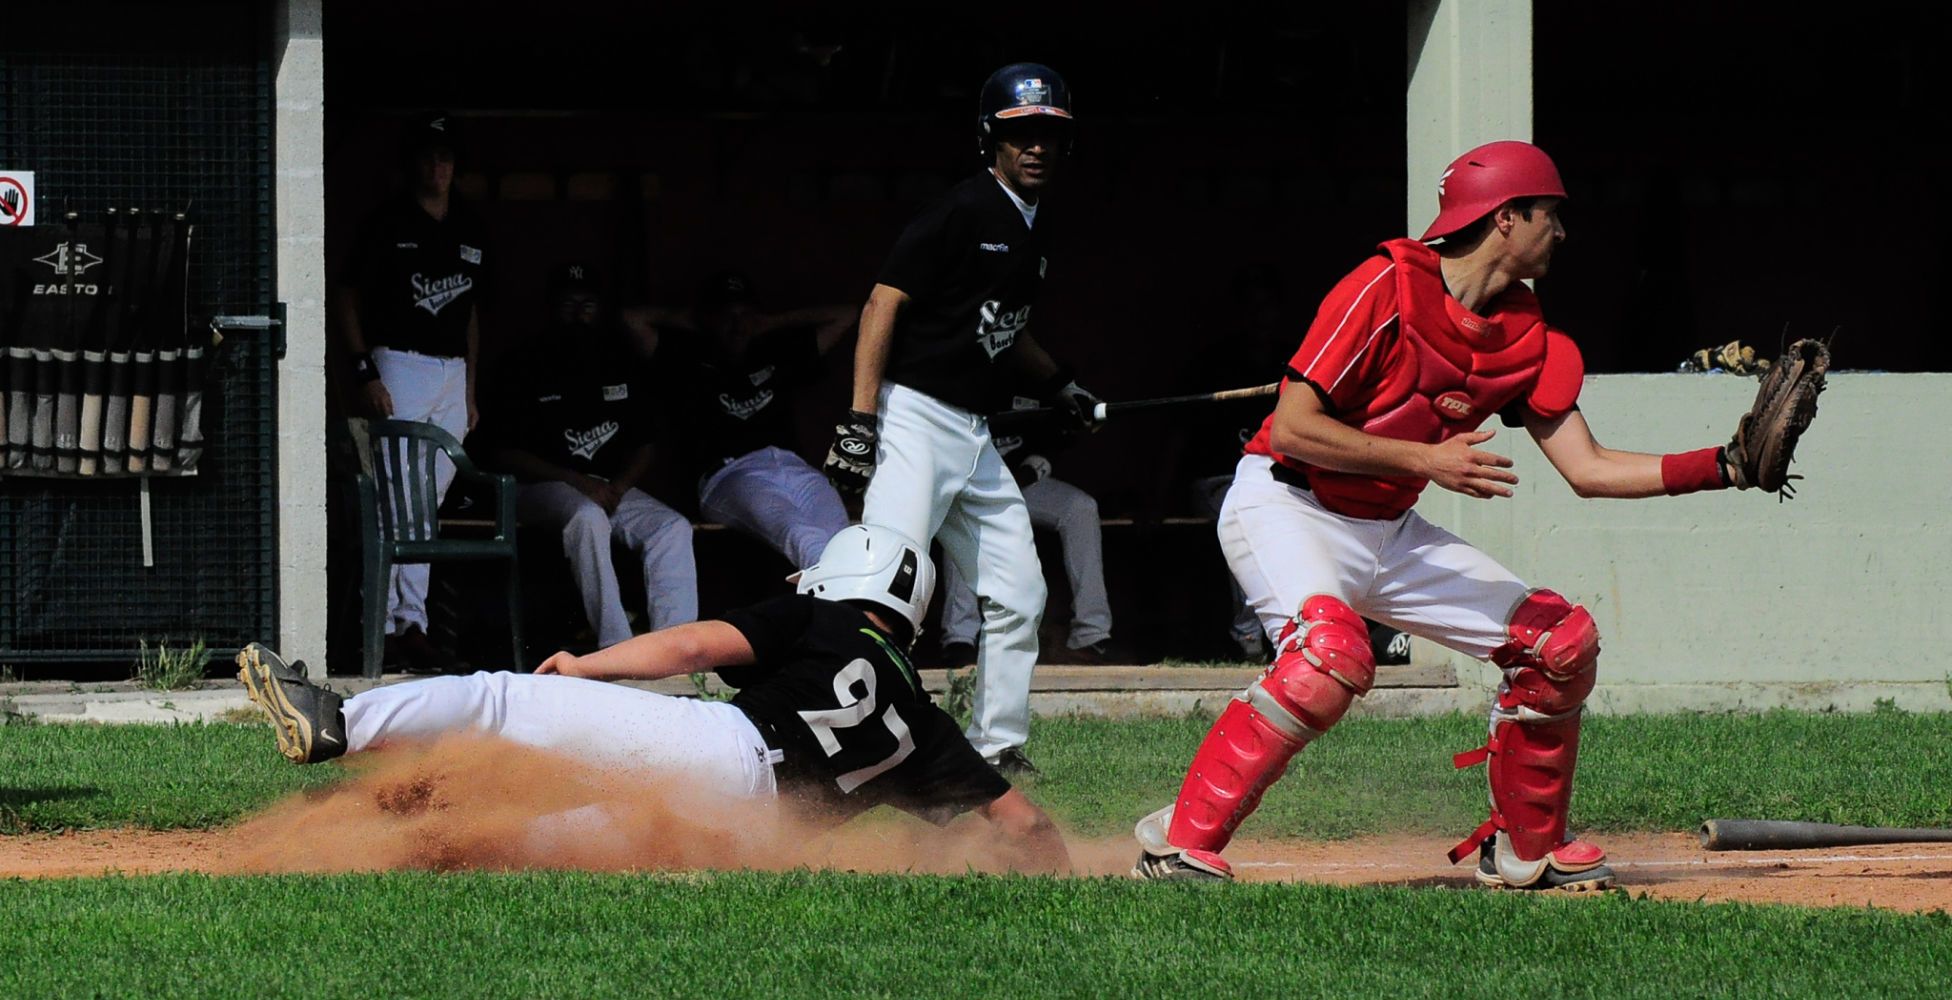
(1732, 176)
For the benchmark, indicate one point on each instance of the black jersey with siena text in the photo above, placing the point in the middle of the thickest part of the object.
(419, 278)
(730, 406)
(847, 709)
(972, 269)
(571, 396)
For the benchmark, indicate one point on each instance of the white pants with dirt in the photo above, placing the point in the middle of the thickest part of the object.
(608, 725)
(658, 536)
(432, 390)
(1053, 504)
(1284, 547)
(938, 476)
(775, 496)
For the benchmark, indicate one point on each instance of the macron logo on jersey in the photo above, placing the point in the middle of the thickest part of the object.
(584, 444)
(997, 329)
(434, 294)
(994, 247)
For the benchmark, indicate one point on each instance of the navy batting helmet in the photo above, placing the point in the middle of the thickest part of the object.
(1019, 91)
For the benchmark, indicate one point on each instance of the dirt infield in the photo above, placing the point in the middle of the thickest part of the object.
(462, 805)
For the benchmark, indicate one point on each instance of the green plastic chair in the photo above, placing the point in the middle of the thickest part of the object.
(399, 524)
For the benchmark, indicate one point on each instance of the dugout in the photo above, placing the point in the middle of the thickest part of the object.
(1732, 173)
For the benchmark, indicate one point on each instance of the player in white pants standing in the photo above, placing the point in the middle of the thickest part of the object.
(408, 314)
(830, 713)
(570, 417)
(945, 338)
(1056, 505)
(1408, 356)
(726, 372)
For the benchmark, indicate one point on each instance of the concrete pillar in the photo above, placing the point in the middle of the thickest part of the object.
(1470, 83)
(298, 156)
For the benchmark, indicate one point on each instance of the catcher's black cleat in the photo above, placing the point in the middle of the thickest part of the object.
(307, 718)
(1545, 875)
(1182, 866)
(1011, 763)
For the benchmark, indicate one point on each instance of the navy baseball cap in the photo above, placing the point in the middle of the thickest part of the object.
(575, 276)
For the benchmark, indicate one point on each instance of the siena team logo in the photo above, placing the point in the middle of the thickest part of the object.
(1453, 405)
(584, 444)
(434, 294)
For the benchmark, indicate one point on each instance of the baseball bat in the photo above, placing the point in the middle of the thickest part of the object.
(171, 316)
(67, 360)
(1014, 420)
(142, 391)
(115, 401)
(94, 350)
(1791, 835)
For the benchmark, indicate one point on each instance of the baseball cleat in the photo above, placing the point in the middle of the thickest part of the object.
(1182, 866)
(1548, 873)
(305, 717)
(1011, 763)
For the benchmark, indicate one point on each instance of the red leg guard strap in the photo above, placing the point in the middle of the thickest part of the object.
(1324, 663)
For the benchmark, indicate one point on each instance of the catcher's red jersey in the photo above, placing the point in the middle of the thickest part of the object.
(1393, 354)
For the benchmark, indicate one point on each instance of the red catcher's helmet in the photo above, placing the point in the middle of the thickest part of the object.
(1475, 184)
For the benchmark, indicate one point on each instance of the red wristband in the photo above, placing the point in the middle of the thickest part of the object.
(1692, 471)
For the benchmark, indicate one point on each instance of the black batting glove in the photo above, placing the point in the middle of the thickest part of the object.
(850, 462)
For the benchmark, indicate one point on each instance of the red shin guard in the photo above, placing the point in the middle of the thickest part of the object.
(1323, 663)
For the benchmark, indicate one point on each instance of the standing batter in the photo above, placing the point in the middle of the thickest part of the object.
(727, 372)
(570, 418)
(408, 314)
(830, 712)
(945, 338)
(1409, 354)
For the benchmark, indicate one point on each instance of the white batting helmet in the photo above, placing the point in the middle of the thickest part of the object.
(867, 562)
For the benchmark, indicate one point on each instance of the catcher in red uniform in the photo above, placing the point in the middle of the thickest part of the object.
(1409, 355)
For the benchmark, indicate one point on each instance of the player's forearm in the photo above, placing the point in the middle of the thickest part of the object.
(529, 467)
(871, 349)
(1327, 443)
(1618, 475)
(474, 349)
(346, 310)
(1036, 364)
(682, 649)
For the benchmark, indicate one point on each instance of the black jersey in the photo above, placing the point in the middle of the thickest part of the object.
(972, 270)
(847, 709)
(730, 407)
(572, 397)
(418, 278)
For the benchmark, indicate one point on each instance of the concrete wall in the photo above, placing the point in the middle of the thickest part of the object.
(1470, 83)
(299, 158)
(1731, 599)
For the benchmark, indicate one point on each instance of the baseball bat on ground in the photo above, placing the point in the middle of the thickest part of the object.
(1014, 420)
(1791, 835)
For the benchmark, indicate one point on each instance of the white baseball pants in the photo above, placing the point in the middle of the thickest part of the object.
(1284, 547)
(430, 390)
(659, 536)
(1053, 504)
(938, 476)
(776, 497)
(608, 725)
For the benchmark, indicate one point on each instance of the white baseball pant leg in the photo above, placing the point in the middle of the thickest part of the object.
(775, 496)
(429, 390)
(711, 743)
(659, 536)
(1208, 496)
(1073, 514)
(1284, 547)
(938, 476)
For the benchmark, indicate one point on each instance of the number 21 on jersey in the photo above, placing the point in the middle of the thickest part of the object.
(827, 724)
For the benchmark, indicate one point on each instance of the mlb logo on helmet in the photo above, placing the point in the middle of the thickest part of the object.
(1033, 91)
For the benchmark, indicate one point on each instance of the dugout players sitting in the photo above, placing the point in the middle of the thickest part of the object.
(726, 372)
(568, 415)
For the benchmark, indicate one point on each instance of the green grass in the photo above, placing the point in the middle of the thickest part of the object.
(1367, 776)
(578, 935)
(157, 777)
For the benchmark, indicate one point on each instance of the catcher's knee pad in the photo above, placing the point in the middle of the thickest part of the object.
(1534, 745)
(1323, 662)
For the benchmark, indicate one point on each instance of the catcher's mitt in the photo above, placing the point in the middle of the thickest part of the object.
(1765, 441)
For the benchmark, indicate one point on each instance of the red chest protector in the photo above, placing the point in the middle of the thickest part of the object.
(1445, 372)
